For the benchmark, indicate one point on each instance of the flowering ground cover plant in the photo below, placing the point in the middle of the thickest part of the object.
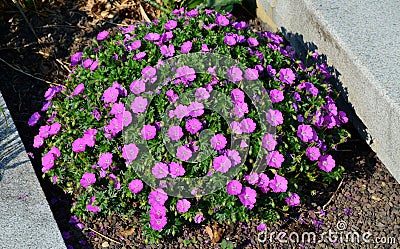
(192, 118)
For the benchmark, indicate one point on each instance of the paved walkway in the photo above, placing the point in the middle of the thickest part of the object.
(26, 220)
(360, 39)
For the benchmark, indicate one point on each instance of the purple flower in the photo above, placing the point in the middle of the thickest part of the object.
(218, 142)
(158, 211)
(183, 153)
(274, 117)
(313, 153)
(310, 88)
(87, 179)
(240, 109)
(148, 132)
(149, 73)
(79, 89)
(269, 142)
(248, 197)
(326, 163)
(183, 206)
(38, 141)
(261, 227)
(178, 11)
(102, 35)
(271, 72)
(235, 127)
(66, 235)
(234, 187)
(55, 151)
(139, 56)
(175, 133)
(342, 117)
(251, 74)
(274, 159)
(278, 184)
(130, 152)
(167, 51)
(160, 170)
(237, 96)
(34, 119)
(47, 161)
(181, 111)
(243, 144)
(94, 65)
(247, 125)
(126, 118)
(186, 74)
(136, 186)
(76, 58)
(139, 105)
(293, 199)
(117, 108)
(152, 37)
(105, 160)
(114, 127)
(44, 131)
(46, 106)
(222, 164)
(134, 45)
(202, 93)
(204, 48)
(50, 93)
(171, 24)
(263, 180)
(234, 74)
(87, 63)
(305, 133)
(79, 145)
(192, 13)
(286, 75)
(110, 95)
(230, 40)
(252, 178)
(176, 169)
(196, 109)
(173, 97)
(234, 156)
(158, 224)
(137, 86)
(221, 20)
(157, 197)
(186, 47)
(90, 206)
(198, 218)
(193, 125)
(54, 129)
(276, 96)
(252, 42)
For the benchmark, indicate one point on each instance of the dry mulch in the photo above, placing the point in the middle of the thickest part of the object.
(366, 200)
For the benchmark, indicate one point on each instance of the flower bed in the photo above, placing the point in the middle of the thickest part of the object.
(194, 118)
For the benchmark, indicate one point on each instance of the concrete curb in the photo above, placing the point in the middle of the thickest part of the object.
(356, 37)
(26, 220)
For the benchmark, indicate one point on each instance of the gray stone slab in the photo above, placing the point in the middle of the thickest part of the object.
(26, 220)
(360, 39)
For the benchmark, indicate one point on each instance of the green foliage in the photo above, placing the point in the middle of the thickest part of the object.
(119, 68)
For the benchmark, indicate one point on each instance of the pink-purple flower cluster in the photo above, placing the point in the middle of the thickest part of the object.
(303, 114)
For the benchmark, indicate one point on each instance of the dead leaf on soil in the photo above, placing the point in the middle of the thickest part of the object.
(127, 232)
(214, 232)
